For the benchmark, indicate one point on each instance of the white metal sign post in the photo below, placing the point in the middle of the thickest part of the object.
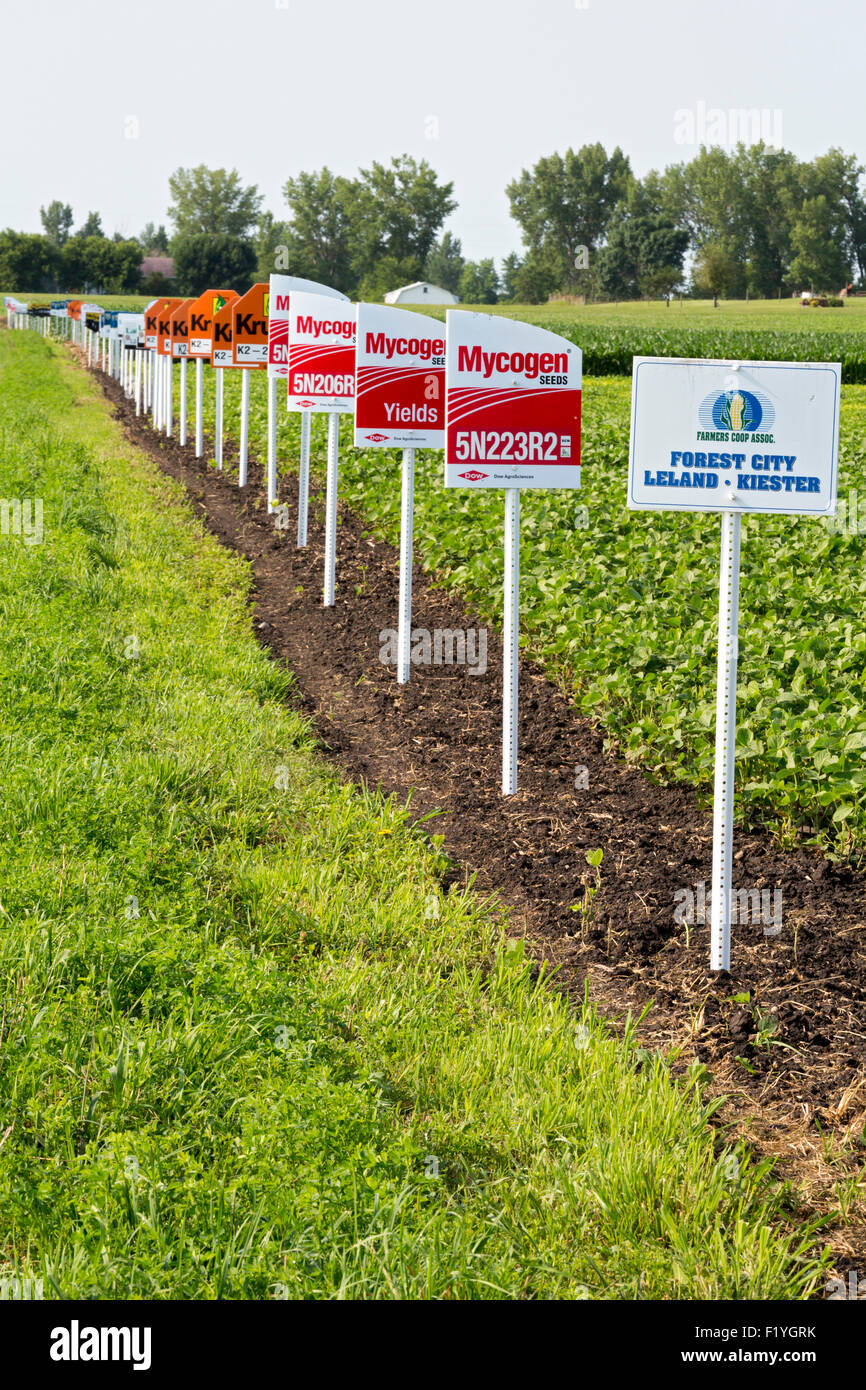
(321, 377)
(245, 427)
(400, 403)
(304, 479)
(404, 606)
(183, 402)
(512, 420)
(199, 407)
(732, 437)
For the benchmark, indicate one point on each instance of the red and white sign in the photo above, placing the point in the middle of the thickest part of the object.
(512, 404)
(400, 379)
(277, 314)
(321, 353)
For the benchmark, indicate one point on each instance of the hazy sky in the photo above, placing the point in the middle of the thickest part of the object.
(479, 88)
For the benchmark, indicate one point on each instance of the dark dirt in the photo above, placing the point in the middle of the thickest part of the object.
(792, 1058)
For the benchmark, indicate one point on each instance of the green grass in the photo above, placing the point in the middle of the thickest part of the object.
(250, 1047)
(621, 607)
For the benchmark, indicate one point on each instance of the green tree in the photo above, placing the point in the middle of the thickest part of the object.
(92, 226)
(508, 276)
(212, 202)
(398, 212)
(838, 176)
(28, 262)
(717, 271)
(563, 207)
(818, 242)
(536, 278)
(127, 266)
(101, 265)
(444, 265)
(479, 283)
(321, 210)
(56, 221)
(154, 240)
(220, 261)
(643, 255)
(708, 196)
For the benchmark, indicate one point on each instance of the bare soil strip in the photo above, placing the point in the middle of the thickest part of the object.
(792, 1061)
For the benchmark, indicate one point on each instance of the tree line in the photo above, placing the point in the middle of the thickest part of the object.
(753, 220)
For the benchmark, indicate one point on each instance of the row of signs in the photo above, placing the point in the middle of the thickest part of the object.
(503, 398)
(394, 369)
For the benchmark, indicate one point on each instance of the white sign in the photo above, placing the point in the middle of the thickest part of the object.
(747, 436)
(512, 404)
(321, 353)
(277, 314)
(129, 327)
(399, 379)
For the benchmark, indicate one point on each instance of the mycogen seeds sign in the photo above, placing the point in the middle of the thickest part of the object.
(321, 353)
(277, 309)
(399, 379)
(741, 436)
(512, 405)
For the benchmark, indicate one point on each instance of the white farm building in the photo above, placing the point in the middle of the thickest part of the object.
(421, 293)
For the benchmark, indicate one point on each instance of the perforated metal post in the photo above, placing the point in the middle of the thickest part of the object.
(183, 401)
(272, 444)
(304, 478)
(160, 391)
(169, 396)
(218, 444)
(199, 408)
(407, 506)
(331, 508)
(139, 363)
(510, 635)
(243, 458)
(726, 733)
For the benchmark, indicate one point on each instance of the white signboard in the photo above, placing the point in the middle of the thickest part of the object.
(747, 436)
(321, 353)
(399, 379)
(130, 326)
(277, 314)
(512, 411)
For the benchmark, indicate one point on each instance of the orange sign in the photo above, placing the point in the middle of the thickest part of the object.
(221, 337)
(180, 329)
(73, 308)
(201, 314)
(163, 326)
(151, 321)
(250, 332)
